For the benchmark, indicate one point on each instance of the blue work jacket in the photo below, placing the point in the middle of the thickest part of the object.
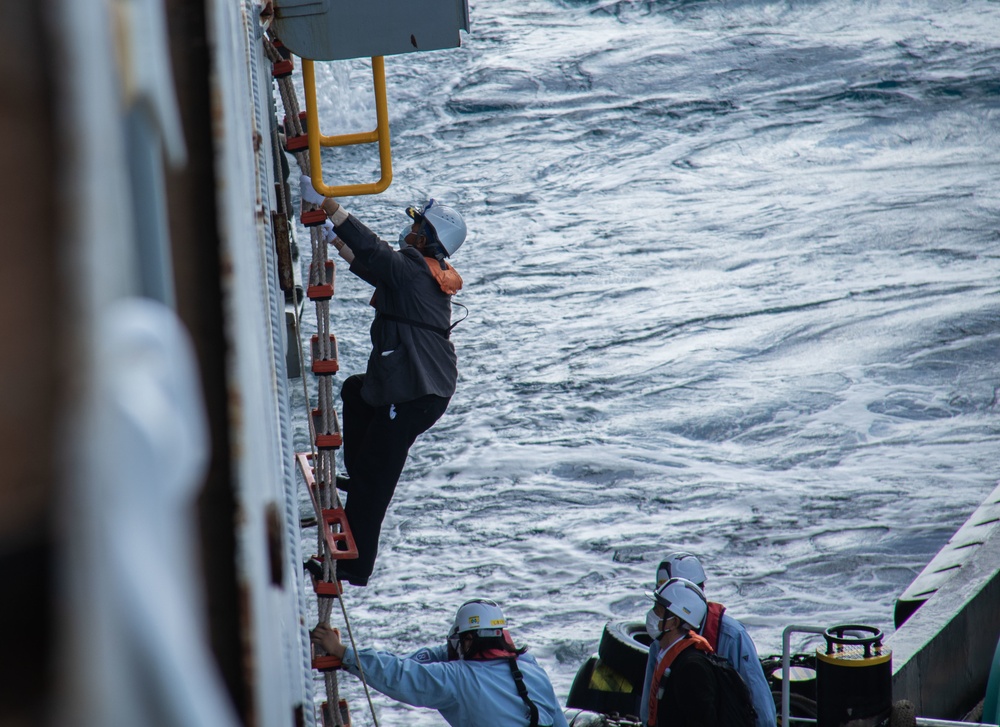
(466, 693)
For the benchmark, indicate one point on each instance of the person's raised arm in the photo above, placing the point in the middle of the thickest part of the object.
(331, 238)
(371, 257)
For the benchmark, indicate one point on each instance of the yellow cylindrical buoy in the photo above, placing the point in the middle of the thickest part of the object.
(853, 677)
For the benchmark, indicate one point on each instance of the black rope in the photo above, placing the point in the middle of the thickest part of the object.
(446, 332)
(455, 302)
(522, 690)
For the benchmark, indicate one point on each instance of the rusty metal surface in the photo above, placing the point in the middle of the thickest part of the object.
(283, 249)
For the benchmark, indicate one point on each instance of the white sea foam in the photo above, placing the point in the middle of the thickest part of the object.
(733, 287)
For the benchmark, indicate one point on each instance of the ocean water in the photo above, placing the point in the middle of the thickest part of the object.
(733, 288)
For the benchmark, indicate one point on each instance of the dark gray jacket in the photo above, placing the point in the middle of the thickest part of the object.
(406, 361)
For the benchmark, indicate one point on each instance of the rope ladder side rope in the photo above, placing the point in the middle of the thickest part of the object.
(318, 467)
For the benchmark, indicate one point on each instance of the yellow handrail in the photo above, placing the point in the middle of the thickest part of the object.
(380, 134)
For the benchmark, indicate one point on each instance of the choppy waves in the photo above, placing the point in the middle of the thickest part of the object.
(733, 275)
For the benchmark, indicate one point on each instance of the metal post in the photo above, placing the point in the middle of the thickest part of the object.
(786, 662)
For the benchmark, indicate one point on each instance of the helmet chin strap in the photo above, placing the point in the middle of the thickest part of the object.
(460, 649)
(663, 625)
(439, 255)
(432, 243)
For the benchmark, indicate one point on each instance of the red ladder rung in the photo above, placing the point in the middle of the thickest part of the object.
(283, 69)
(326, 588)
(326, 440)
(294, 144)
(345, 714)
(337, 516)
(324, 366)
(313, 218)
(327, 517)
(323, 291)
(326, 663)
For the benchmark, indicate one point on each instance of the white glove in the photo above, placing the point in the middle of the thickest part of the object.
(308, 193)
(328, 234)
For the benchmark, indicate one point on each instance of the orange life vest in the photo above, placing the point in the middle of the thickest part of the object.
(448, 279)
(663, 666)
(713, 624)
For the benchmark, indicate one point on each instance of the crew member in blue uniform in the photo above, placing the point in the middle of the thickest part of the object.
(412, 369)
(727, 636)
(478, 679)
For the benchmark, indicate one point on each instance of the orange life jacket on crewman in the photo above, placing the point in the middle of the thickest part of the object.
(448, 279)
(663, 667)
(713, 624)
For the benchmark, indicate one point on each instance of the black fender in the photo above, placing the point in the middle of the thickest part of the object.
(616, 696)
(625, 648)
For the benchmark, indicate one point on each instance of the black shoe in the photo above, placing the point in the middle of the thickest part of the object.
(314, 567)
(343, 484)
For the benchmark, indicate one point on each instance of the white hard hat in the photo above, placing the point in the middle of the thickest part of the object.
(481, 616)
(680, 565)
(445, 222)
(683, 599)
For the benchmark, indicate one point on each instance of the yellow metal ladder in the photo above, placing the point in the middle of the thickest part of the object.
(380, 134)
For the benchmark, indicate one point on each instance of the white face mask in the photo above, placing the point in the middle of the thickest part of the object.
(653, 625)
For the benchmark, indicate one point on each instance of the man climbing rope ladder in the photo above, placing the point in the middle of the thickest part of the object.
(412, 369)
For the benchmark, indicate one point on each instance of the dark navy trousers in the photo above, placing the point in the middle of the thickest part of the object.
(377, 440)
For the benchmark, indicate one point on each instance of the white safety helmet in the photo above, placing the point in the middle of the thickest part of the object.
(480, 615)
(680, 565)
(446, 223)
(683, 599)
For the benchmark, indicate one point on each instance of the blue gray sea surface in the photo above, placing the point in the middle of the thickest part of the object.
(734, 287)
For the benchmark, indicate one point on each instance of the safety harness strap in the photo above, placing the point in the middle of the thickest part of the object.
(522, 690)
(446, 332)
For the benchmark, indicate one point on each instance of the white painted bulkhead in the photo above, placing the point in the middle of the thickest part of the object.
(133, 623)
(245, 193)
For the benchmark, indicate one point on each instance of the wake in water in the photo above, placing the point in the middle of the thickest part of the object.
(733, 276)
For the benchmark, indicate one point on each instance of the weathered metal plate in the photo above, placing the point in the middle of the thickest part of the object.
(329, 30)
